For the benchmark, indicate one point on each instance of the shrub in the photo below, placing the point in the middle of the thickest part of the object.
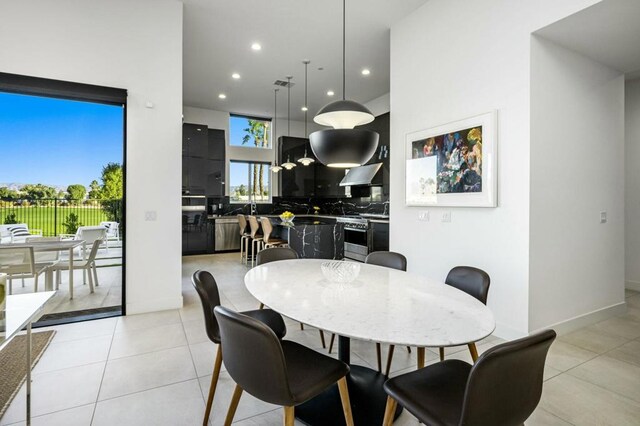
(71, 224)
(10, 218)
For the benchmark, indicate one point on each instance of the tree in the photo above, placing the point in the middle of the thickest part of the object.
(8, 194)
(112, 182)
(76, 192)
(259, 131)
(94, 190)
(39, 191)
(241, 190)
(71, 224)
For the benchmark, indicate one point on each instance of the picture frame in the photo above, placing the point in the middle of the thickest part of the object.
(453, 164)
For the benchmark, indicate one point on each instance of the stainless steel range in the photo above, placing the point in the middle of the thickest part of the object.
(357, 237)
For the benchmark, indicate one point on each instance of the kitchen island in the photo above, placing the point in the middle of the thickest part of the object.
(311, 237)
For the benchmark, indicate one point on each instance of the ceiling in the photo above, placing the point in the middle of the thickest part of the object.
(607, 32)
(217, 42)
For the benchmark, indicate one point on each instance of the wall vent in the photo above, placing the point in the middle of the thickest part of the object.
(281, 83)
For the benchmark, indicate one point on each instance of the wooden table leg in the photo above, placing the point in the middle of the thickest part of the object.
(474, 351)
(70, 273)
(421, 353)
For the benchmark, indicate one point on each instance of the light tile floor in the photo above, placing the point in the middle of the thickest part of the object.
(155, 369)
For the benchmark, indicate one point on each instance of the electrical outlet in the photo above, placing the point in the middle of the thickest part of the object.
(603, 217)
(424, 216)
(150, 216)
(446, 216)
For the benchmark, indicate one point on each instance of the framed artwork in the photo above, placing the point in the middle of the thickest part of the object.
(453, 165)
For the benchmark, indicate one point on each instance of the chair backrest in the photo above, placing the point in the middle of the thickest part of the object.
(276, 253)
(267, 228)
(242, 223)
(253, 224)
(111, 227)
(17, 260)
(91, 233)
(253, 357)
(46, 256)
(390, 259)
(94, 250)
(472, 281)
(505, 383)
(18, 232)
(207, 289)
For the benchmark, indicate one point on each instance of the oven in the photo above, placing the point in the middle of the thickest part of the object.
(357, 238)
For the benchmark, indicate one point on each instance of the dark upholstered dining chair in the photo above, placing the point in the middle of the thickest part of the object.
(502, 388)
(207, 289)
(473, 281)
(285, 373)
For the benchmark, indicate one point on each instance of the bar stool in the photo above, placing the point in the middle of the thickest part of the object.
(244, 239)
(267, 229)
(256, 238)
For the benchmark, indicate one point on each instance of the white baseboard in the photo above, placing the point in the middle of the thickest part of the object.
(632, 285)
(507, 333)
(572, 324)
(154, 305)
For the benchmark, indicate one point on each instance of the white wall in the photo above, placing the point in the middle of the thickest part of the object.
(439, 74)
(577, 157)
(135, 45)
(220, 120)
(380, 105)
(632, 197)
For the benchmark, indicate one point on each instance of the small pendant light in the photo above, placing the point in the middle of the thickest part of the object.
(343, 146)
(288, 165)
(306, 160)
(275, 168)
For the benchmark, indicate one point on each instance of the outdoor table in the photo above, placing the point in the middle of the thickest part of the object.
(382, 305)
(44, 246)
(22, 310)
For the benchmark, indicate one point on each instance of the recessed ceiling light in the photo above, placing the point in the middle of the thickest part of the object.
(304, 108)
(366, 72)
(256, 46)
(235, 76)
(330, 93)
(222, 96)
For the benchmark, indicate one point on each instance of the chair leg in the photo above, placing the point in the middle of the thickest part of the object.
(301, 326)
(324, 345)
(289, 416)
(95, 275)
(379, 357)
(346, 404)
(333, 338)
(10, 285)
(389, 411)
(421, 353)
(474, 351)
(441, 354)
(409, 349)
(91, 288)
(261, 305)
(217, 364)
(389, 359)
(235, 399)
(23, 283)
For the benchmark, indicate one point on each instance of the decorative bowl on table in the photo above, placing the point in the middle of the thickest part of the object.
(339, 271)
(287, 217)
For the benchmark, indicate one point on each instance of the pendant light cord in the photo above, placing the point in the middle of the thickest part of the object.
(275, 122)
(344, 43)
(306, 106)
(289, 106)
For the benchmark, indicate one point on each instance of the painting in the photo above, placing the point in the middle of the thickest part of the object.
(453, 165)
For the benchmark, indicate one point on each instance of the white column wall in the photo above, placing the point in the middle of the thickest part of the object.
(632, 190)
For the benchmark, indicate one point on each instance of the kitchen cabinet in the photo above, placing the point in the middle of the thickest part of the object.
(299, 181)
(215, 178)
(216, 145)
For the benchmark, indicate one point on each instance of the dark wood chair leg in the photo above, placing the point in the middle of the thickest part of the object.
(235, 399)
(389, 359)
(333, 338)
(379, 357)
(474, 351)
(346, 404)
(289, 416)
(409, 349)
(421, 354)
(324, 345)
(441, 354)
(217, 364)
(389, 411)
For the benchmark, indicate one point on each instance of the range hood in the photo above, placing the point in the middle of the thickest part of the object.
(363, 175)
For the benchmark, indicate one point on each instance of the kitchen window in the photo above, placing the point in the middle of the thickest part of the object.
(249, 132)
(249, 182)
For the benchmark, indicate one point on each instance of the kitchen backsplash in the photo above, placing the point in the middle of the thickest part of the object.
(328, 206)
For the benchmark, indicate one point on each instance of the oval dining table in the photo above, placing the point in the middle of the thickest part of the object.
(382, 305)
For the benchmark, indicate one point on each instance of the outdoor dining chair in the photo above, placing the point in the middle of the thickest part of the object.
(19, 262)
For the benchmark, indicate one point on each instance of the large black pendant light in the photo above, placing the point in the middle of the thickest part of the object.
(343, 146)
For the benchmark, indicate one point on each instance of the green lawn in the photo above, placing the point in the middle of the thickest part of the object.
(45, 218)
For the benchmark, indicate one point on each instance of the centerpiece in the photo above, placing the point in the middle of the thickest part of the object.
(287, 217)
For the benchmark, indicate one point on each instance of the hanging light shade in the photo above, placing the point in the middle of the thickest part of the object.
(276, 168)
(306, 160)
(344, 146)
(288, 165)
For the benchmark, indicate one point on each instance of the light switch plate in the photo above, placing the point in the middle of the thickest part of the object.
(603, 217)
(150, 216)
(446, 216)
(424, 216)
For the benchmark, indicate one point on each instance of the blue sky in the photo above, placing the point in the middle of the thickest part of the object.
(238, 172)
(55, 141)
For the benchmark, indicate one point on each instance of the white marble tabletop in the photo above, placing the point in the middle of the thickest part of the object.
(383, 305)
(22, 309)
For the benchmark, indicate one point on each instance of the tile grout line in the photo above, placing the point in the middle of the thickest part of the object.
(104, 372)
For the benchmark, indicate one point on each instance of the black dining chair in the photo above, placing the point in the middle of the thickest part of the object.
(285, 373)
(274, 254)
(475, 282)
(502, 388)
(207, 289)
